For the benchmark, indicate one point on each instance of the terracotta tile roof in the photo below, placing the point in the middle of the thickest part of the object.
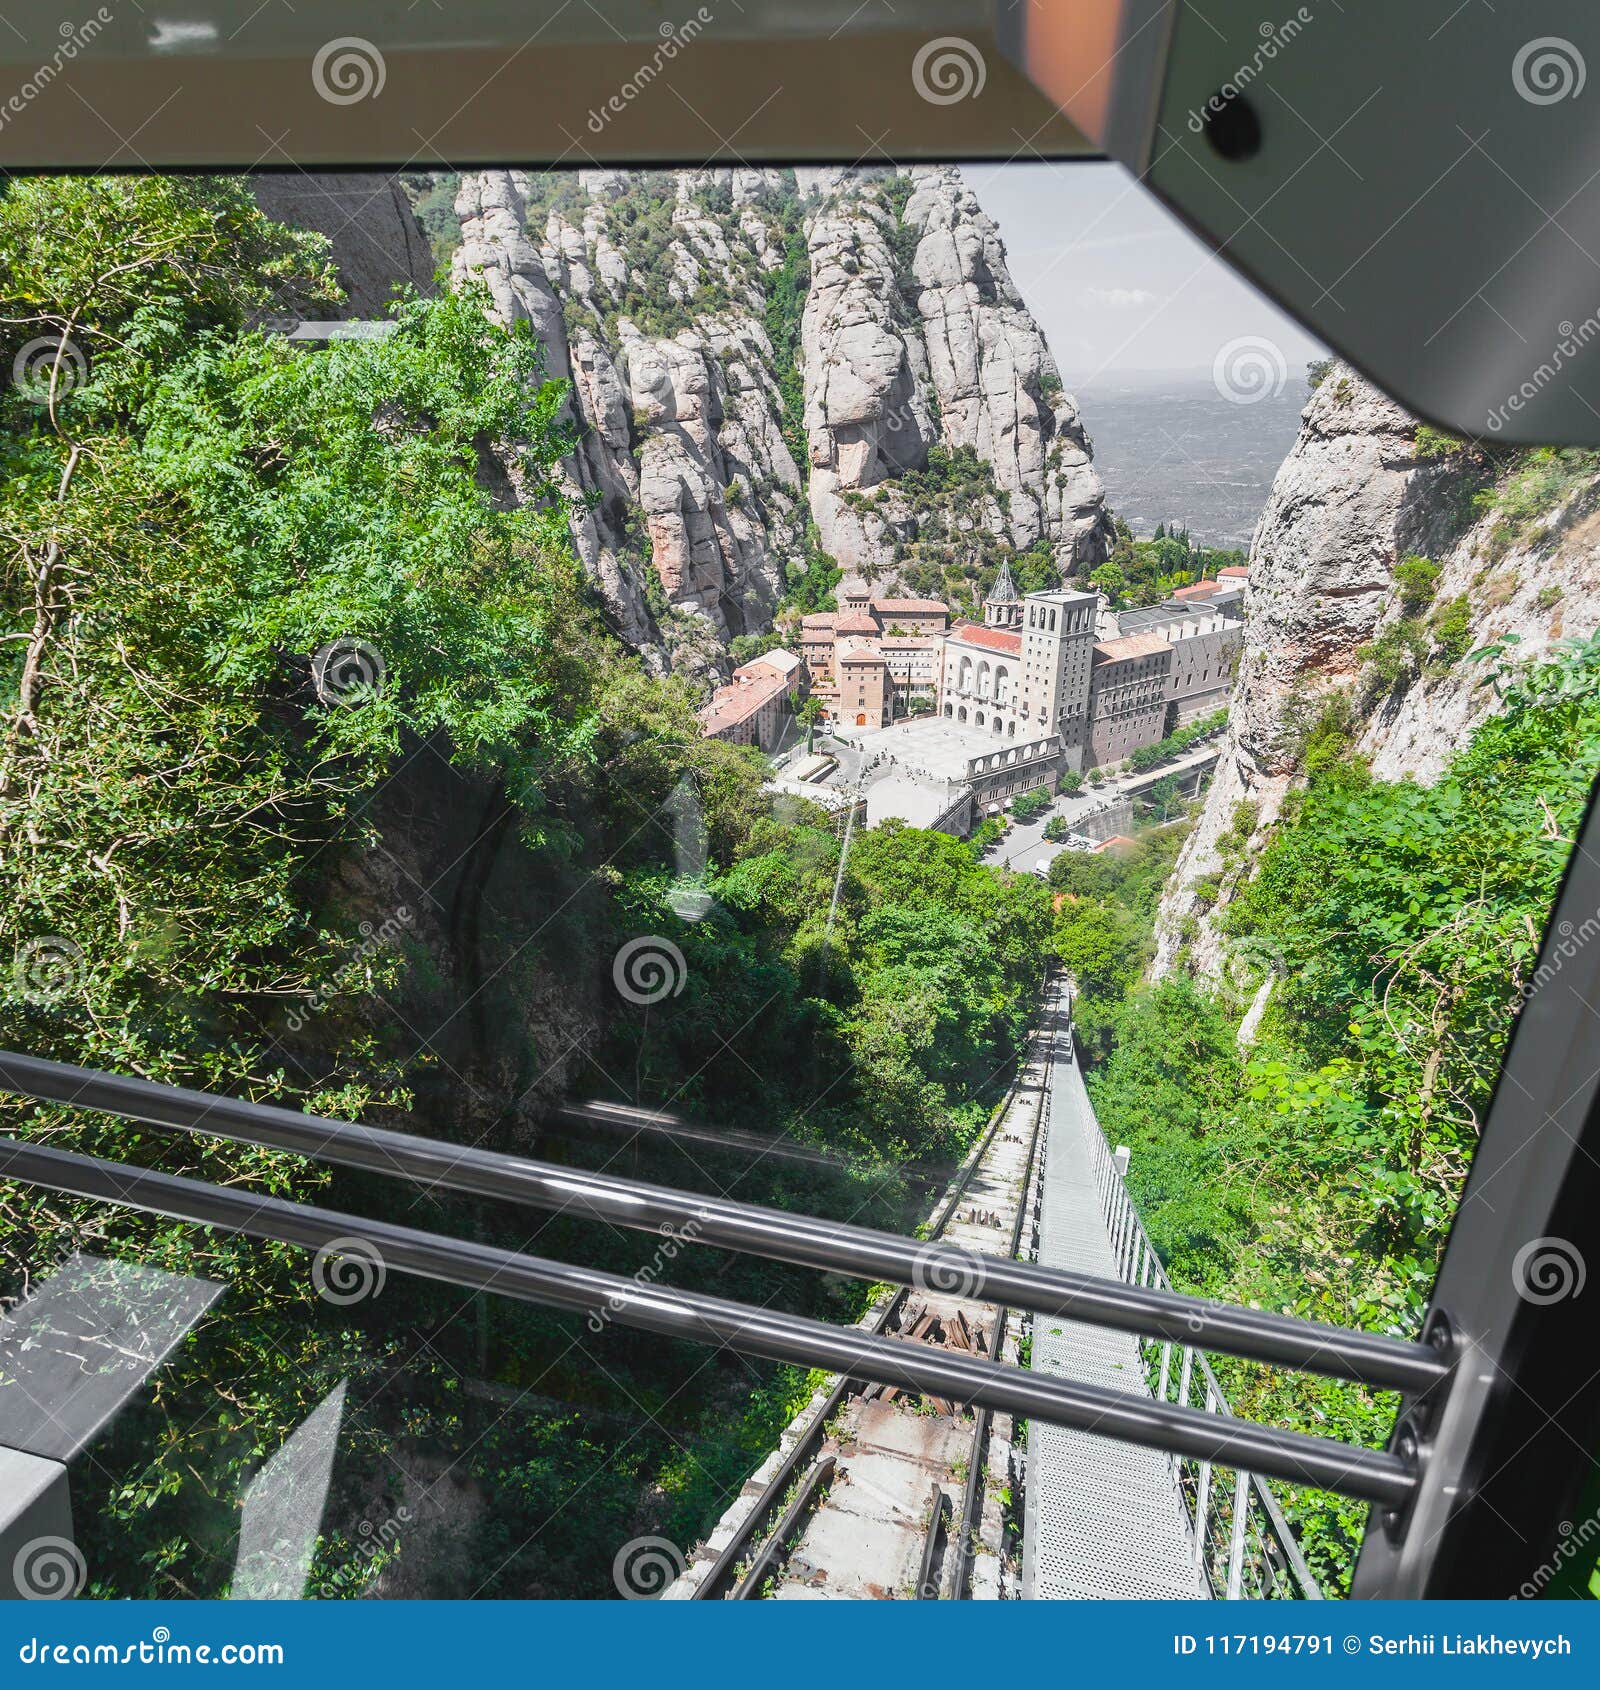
(822, 620)
(733, 704)
(991, 639)
(910, 642)
(859, 651)
(1130, 646)
(857, 622)
(1234, 572)
(1200, 590)
(912, 607)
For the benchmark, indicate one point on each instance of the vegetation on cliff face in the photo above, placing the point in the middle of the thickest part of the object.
(785, 289)
(1316, 1170)
(324, 782)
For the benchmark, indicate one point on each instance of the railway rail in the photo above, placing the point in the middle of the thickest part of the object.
(758, 1535)
(954, 1285)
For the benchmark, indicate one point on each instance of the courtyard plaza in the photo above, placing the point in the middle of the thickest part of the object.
(927, 745)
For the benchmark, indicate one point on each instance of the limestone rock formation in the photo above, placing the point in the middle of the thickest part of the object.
(915, 336)
(1356, 497)
(654, 293)
(651, 304)
(377, 241)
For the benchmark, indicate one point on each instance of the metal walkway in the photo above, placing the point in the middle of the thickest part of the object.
(1103, 1518)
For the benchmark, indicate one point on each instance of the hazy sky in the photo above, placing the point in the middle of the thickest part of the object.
(1118, 284)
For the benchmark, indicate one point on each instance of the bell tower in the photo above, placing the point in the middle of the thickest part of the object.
(1003, 607)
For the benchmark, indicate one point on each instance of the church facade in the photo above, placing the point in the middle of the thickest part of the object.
(1024, 672)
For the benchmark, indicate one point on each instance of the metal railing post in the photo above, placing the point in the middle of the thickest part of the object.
(1202, 1505)
(1241, 1510)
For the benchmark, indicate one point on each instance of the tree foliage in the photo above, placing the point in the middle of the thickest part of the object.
(323, 781)
(1316, 1171)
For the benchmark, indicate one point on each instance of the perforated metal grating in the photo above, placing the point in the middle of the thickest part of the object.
(1103, 1518)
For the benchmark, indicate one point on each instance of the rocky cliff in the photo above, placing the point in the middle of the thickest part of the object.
(1385, 555)
(916, 337)
(375, 238)
(771, 368)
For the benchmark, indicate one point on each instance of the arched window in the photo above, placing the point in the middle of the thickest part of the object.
(977, 717)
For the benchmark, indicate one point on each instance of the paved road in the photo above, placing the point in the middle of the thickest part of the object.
(1025, 847)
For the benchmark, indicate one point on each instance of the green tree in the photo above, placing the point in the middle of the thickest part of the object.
(1028, 806)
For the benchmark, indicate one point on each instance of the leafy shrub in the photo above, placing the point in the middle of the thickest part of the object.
(1451, 628)
(1415, 577)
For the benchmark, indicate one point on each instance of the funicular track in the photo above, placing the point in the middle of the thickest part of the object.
(905, 1488)
(954, 1280)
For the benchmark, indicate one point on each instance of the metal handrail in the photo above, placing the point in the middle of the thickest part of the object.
(1378, 1476)
(1137, 1256)
(1154, 1312)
